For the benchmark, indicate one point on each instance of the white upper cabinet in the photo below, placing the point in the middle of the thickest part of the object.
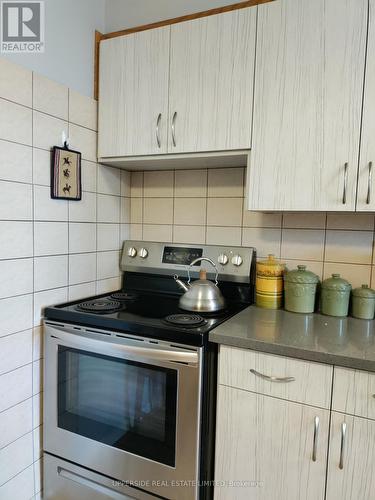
(211, 82)
(133, 94)
(307, 106)
(366, 174)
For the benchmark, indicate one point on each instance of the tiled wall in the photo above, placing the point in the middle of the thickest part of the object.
(200, 206)
(50, 250)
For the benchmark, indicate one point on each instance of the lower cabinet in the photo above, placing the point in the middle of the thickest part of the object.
(269, 448)
(351, 463)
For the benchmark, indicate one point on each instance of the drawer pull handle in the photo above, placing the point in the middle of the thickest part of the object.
(342, 446)
(315, 440)
(270, 378)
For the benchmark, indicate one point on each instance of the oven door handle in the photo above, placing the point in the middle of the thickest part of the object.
(152, 353)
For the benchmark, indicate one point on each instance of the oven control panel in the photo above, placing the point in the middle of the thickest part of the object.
(232, 263)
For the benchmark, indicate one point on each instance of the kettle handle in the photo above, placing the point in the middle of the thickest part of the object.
(199, 259)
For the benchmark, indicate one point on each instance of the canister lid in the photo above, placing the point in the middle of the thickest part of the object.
(365, 292)
(336, 283)
(271, 261)
(301, 275)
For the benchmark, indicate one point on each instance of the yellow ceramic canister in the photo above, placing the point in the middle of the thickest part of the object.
(269, 283)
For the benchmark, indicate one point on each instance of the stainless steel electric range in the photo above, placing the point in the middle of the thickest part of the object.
(130, 380)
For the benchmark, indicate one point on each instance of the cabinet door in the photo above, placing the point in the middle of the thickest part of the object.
(351, 461)
(211, 79)
(366, 175)
(307, 105)
(264, 448)
(133, 94)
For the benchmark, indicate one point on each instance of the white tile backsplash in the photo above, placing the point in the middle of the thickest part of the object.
(15, 123)
(82, 237)
(46, 209)
(225, 182)
(108, 237)
(16, 350)
(84, 210)
(50, 272)
(16, 457)
(82, 110)
(15, 422)
(42, 167)
(82, 291)
(15, 162)
(15, 386)
(352, 247)
(16, 239)
(47, 298)
(23, 483)
(108, 264)
(224, 211)
(82, 268)
(15, 83)
(50, 97)
(48, 130)
(16, 314)
(50, 238)
(108, 208)
(83, 140)
(15, 201)
(109, 180)
(190, 183)
(16, 277)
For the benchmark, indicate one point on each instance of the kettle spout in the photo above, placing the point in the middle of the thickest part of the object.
(181, 284)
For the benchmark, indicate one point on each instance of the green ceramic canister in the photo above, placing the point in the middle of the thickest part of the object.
(300, 289)
(363, 302)
(335, 296)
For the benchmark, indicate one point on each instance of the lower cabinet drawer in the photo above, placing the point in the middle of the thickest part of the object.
(278, 376)
(354, 392)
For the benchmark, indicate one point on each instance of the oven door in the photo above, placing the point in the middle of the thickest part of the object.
(124, 407)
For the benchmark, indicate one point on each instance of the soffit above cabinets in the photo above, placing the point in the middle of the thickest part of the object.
(181, 161)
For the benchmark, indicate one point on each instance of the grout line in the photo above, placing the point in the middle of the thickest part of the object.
(33, 295)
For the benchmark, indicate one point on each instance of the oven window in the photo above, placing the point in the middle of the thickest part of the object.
(125, 404)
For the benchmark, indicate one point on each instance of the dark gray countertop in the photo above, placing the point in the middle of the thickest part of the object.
(338, 341)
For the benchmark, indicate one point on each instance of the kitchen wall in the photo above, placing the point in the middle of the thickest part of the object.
(122, 14)
(203, 206)
(69, 43)
(50, 250)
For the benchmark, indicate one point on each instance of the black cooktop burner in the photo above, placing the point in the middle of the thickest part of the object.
(100, 306)
(124, 296)
(185, 320)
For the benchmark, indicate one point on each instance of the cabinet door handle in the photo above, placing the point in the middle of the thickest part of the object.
(345, 183)
(157, 130)
(342, 446)
(316, 436)
(369, 183)
(173, 128)
(270, 378)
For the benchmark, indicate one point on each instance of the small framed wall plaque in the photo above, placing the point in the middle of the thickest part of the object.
(66, 181)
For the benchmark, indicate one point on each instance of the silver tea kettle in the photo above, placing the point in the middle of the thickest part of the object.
(202, 295)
